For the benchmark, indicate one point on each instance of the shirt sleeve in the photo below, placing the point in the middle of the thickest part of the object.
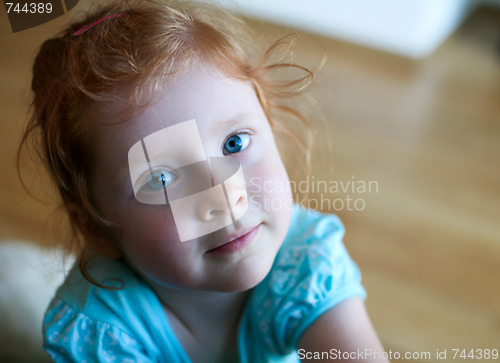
(313, 272)
(71, 336)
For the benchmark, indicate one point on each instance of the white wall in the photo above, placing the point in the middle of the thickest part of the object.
(412, 28)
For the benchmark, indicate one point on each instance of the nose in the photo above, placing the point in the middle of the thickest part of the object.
(216, 207)
(208, 207)
(213, 204)
(236, 197)
(232, 201)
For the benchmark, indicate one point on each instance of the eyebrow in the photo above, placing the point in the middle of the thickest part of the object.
(238, 118)
(230, 121)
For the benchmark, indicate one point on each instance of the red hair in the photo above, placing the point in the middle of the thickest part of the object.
(149, 42)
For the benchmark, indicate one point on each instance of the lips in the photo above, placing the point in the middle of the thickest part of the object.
(235, 241)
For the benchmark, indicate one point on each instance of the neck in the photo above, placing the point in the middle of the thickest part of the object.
(201, 311)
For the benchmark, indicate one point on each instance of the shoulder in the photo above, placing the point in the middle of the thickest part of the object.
(309, 228)
(312, 273)
(108, 323)
(312, 251)
(108, 305)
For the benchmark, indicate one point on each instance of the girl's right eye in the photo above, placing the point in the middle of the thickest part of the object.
(157, 179)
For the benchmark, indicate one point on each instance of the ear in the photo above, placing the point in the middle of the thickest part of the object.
(93, 235)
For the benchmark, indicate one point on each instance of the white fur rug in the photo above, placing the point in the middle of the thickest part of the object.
(29, 277)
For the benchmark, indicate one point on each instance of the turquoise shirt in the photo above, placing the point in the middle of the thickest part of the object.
(311, 273)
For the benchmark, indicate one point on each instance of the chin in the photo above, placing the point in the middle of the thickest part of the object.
(247, 275)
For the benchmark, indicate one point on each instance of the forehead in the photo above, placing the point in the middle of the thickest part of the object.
(201, 93)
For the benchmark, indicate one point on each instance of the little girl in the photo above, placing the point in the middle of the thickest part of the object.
(156, 127)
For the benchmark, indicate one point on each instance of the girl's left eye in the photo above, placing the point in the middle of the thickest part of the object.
(236, 143)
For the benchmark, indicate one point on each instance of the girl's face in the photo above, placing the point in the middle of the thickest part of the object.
(231, 124)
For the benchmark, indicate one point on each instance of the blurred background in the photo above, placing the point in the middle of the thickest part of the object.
(408, 147)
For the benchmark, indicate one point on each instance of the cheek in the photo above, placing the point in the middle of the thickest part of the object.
(147, 232)
(152, 246)
(268, 185)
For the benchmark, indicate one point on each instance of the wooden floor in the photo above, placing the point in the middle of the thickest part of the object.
(426, 134)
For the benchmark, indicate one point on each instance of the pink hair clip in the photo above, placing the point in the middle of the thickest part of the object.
(87, 27)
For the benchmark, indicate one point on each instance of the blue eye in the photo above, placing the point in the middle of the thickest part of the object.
(159, 179)
(236, 143)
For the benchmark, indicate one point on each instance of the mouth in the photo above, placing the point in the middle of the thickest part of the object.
(235, 241)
